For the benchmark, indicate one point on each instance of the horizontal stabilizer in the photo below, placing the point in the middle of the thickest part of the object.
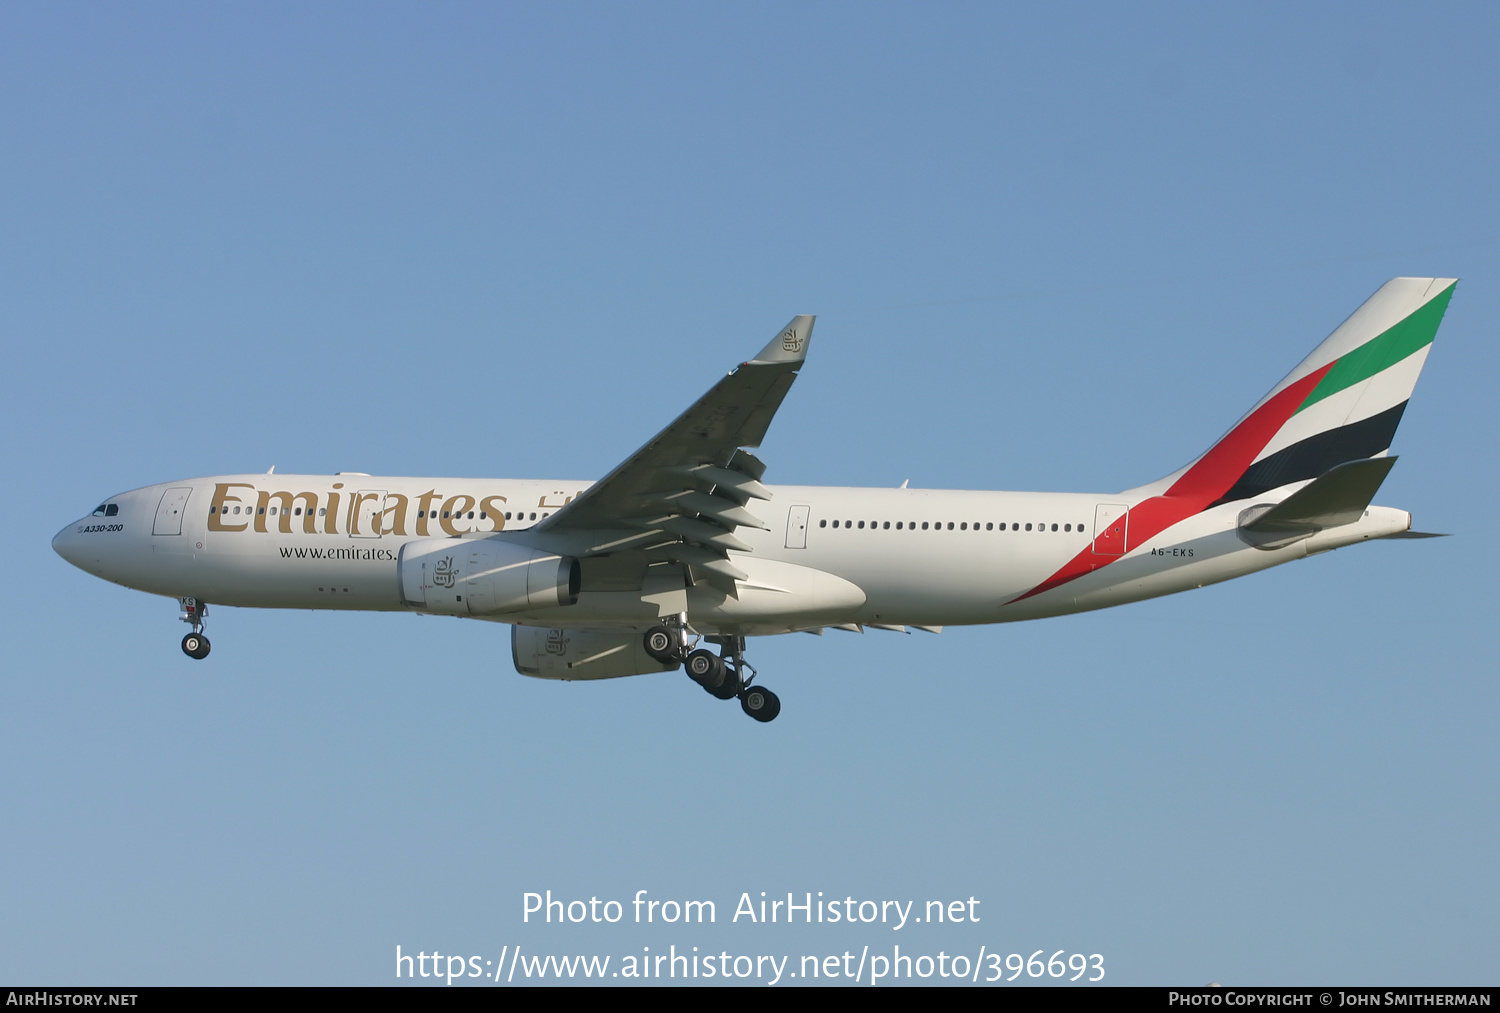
(1419, 534)
(1339, 496)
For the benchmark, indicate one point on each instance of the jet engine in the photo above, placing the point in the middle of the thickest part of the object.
(484, 577)
(582, 654)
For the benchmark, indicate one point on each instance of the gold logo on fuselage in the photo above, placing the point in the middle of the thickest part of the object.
(240, 506)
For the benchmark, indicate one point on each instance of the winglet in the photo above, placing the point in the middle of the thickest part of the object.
(788, 346)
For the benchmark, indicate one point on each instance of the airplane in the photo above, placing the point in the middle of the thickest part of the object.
(682, 548)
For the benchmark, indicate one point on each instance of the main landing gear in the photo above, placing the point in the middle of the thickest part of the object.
(195, 645)
(721, 675)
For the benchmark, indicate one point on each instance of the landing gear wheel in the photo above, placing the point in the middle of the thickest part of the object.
(195, 645)
(731, 685)
(760, 704)
(705, 668)
(662, 645)
(709, 671)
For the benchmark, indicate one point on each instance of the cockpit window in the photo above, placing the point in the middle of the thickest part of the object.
(113, 510)
(99, 510)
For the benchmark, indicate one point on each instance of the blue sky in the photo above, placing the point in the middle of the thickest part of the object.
(1049, 248)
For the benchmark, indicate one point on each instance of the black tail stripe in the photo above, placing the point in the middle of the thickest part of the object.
(1316, 454)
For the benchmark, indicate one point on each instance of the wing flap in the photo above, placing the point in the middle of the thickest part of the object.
(724, 481)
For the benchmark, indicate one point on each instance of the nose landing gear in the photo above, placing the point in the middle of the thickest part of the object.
(195, 645)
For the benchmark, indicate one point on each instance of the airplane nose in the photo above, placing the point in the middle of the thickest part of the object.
(65, 544)
(73, 546)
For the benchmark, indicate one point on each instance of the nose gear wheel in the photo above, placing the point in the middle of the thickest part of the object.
(195, 613)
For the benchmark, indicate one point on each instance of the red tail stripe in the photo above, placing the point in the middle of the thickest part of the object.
(1210, 477)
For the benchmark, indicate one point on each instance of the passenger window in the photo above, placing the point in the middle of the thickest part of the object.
(886, 526)
(861, 525)
(823, 523)
(924, 525)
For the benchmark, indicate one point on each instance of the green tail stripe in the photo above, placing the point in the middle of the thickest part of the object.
(1383, 351)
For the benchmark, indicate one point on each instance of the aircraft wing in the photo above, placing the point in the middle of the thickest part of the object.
(686, 491)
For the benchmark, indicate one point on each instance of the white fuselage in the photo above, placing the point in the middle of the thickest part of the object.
(831, 555)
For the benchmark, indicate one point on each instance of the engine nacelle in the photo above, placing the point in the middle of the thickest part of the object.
(484, 577)
(581, 654)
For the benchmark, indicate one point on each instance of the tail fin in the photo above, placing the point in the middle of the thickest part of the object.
(1342, 403)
